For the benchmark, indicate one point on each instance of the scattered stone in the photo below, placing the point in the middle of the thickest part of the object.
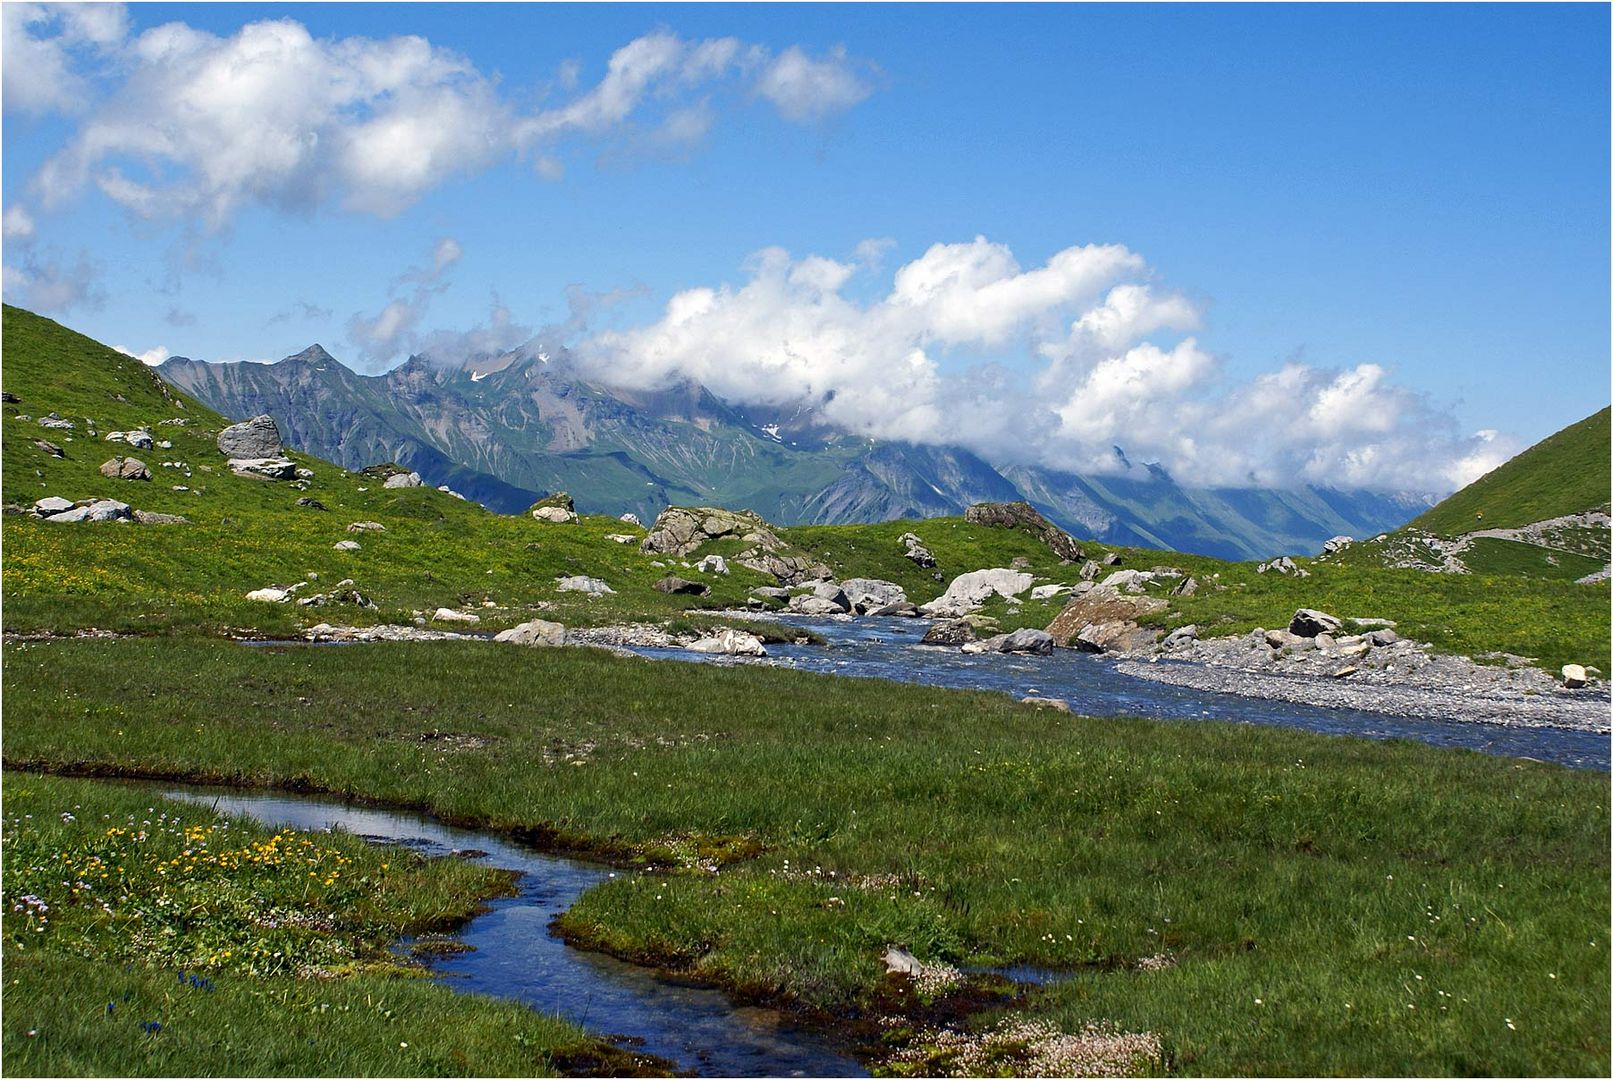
(1574, 676)
(1345, 672)
(631, 519)
(1337, 544)
(555, 515)
(584, 584)
(9, 398)
(119, 468)
(1278, 639)
(444, 614)
(1112, 559)
(1381, 638)
(310, 503)
(51, 420)
(1034, 642)
(729, 642)
(1285, 566)
(620, 538)
(346, 545)
(1091, 570)
(901, 962)
(50, 448)
(1047, 592)
(1181, 636)
(539, 633)
(52, 505)
(1308, 622)
(1389, 623)
(264, 468)
(904, 609)
(915, 550)
(681, 530)
(98, 510)
(711, 564)
(365, 526)
(771, 592)
(867, 594)
(256, 438)
(949, 632)
(1055, 704)
(404, 480)
(272, 594)
(676, 586)
(151, 517)
(1187, 587)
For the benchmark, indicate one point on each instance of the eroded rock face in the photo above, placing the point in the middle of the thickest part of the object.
(914, 549)
(1026, 518)
(1103, 619)
(254, 438)
(968, 592)
(539, 633)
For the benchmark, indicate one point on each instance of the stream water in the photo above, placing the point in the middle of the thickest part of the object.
(889, 649)
(515, 956)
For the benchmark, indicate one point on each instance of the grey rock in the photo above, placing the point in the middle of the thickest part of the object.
(264, 468)
(119, 468)
(1034, 642)
(50, 448)
(346, 545)
(404, 480)
(1047, 592)
(1380, 638)
(906, 609)
(914, 549)
(311, 504)
(771, 592)
(631, 519)
(254, 438)
(151, 517)
(584, 584)
(1337, 544)
(901, 962)
(1574, 676)
(140, 438)
(677, 586)
(366, 526)
(711, 564)
(1112, 559)
(444, 614)
(1187, 587)
(1024, 517)
(555, 515)
(1181, 637)
(1090, 570)
(51, 420)
(1055, 704)
(538, 633)
(809, 604)
(1308, 622)
(968, 592)
(866, 594)
(52, 505)
(949, 632)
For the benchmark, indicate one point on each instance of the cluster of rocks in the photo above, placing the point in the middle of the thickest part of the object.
(680, 531)
(913, 548)
(582, 583)
(556, 509)
(968, 592)
(67, 512)
(343, 592)
(1285, 566)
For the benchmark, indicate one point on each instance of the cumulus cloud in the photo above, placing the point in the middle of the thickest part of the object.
(194, 126)
(1094, 353)
(45, 45)
(151, 357)
(17, 224)
(393, 331)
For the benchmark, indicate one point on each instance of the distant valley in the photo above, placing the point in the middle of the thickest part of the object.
(506, 430)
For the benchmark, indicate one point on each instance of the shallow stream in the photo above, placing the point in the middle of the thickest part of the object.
(515, 956)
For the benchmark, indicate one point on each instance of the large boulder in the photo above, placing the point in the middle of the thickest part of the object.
(254, 438)
(120, 468)
(787, 569)
(1574, 676)
(152, 517)
(404, 480)
(712, 564)
(868, 594)
(1103, 619)
(98, 510)
(1035, 642)
(906, 609)
(539, 633)
(53, 504)
(1308, 622)
(554, 515)
(1026, 518)
(681, 530)
(728, 642)
(968, 592)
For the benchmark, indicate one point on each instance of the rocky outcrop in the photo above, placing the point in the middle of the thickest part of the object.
(826, 598)
(1574, 676)
(539, 633)
(1024, 517)
(592, 586)
(1308, 622)
(264, 468)
(94, 510)
(254, 438)
(140, 438)
(554, 515)
(681, 530)
(788, 569)
(404, 480)
(949, 632)
(712, 564)
(968, 592)
(1285, 566)
(868, 594)
(1103, 619)
(1034, 642)
(366, 526)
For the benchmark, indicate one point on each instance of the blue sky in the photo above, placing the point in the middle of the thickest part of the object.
(1390, 220)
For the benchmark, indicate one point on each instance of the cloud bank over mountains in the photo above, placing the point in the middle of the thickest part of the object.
(1105, 364)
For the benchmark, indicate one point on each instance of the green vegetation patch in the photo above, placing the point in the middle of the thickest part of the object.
(1263, 901)
(144, 936)
(1567, 473)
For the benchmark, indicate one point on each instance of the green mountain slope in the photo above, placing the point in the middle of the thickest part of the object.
(1567, 473)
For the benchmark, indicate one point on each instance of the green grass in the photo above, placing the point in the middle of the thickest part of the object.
(1492, 557)
(150, 937)
(1566, 473)
(1338, 881)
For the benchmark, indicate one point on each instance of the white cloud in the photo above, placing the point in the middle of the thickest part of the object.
(807, 90)
(17, 224)
(1100, 364)
(195, 126)
(151, 357)
(43, 43)
(393, 331)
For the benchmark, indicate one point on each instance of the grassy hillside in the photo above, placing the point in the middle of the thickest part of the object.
(1566, 473)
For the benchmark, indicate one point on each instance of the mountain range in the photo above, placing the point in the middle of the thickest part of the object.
(505, 430)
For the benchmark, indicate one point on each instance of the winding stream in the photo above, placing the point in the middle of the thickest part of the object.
(516, 957)
(889, 649)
